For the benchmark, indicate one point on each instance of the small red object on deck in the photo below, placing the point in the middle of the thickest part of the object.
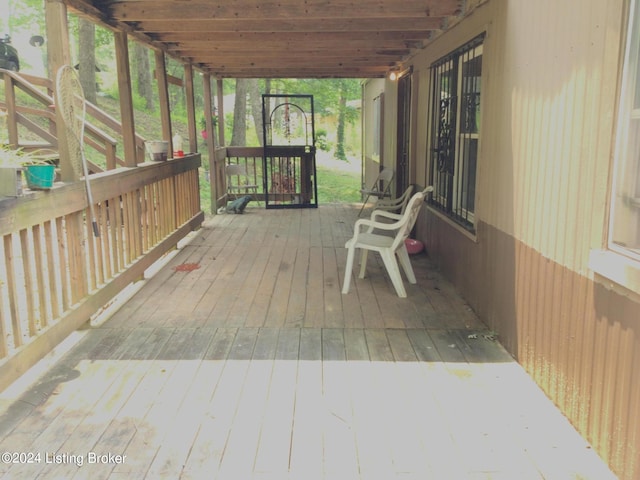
(413, 246)
(187, 267)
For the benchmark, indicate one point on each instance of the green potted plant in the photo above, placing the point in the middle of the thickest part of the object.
(203, 125)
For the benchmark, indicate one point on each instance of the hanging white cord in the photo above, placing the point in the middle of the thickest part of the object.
(71, 102)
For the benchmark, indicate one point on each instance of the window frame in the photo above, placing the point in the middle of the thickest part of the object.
(449, 172)
(617, 266)
(626, 137)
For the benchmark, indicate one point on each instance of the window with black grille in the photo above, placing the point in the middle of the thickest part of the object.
(624, 231)
(455, 131)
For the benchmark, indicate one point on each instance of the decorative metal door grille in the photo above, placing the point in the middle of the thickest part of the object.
(404, 139)
(289, 168)
(455, 130)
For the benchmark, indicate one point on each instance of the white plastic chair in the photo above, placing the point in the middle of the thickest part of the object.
(380, 187)
(395, 205)
(238, 181)
(389, 247)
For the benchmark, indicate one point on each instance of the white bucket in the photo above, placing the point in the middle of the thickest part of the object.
(157, 149)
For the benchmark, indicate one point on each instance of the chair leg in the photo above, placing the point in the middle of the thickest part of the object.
(389, 259)
(348, 270)
(363, 263)
(363, 205)
(403, 257)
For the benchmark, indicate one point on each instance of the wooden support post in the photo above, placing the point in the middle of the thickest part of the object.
(58, 54)
(126, 98)
(191, 108)
(10, 99)
(163, 98)
(220, 92)
(211, 141)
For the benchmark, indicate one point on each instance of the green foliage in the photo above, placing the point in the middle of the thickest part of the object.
(24, 16)
(203, 123)
(205, 190)
(322, 140)
(139, 103)
(335, 186)
(326, 92)
(104, 37)
(17, 157)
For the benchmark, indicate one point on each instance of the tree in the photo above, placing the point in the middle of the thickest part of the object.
(24, 17)
(239, 134)
(142, 68)
(330, 97)
(348, 89)
(255, 101)
(87, 58)
(342, 106)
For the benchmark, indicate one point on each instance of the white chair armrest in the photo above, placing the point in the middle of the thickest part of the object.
(384, 213)
(363, 222)
(388, 202)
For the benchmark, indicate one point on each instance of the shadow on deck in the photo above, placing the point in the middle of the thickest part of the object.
(241, 359)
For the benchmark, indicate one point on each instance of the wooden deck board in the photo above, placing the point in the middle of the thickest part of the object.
(255, 366)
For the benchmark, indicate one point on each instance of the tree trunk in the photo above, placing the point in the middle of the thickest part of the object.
(239, 135)
(143, 74)
(256, 107)
(340, 153)
(87, 58)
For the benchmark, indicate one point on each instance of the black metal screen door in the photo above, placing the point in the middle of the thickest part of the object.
(289, 168)
(404, 122)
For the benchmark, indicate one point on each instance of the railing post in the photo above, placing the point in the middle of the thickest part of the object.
(211, 141)
(12, 124)
(126, 98)
(163, 98)
(220, 92)
(58, 53)
(191, 108)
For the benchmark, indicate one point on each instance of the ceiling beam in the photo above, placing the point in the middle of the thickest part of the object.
(284, 38)
(403, 24)
(340, 52)
(292, 37)
(307, 72)
(153, 9)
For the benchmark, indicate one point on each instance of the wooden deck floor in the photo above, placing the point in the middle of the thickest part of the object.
(254, 366)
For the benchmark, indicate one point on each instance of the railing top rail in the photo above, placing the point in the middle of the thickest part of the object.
(244, 151)
(65, 198)
(24, 84)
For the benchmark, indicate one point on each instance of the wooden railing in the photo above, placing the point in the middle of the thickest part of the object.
(250, 157)
(28, 101)
(55, 274)
(289, 176)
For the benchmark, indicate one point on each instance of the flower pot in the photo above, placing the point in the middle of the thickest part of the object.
(157, 149)
(40, 177)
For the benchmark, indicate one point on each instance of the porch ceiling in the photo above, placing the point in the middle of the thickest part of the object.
(284, 39)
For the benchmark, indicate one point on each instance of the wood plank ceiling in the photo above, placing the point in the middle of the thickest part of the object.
(283, 38)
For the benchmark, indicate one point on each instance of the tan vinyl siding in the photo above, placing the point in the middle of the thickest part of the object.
(551, 73)
(550, 104)
(578, 340)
